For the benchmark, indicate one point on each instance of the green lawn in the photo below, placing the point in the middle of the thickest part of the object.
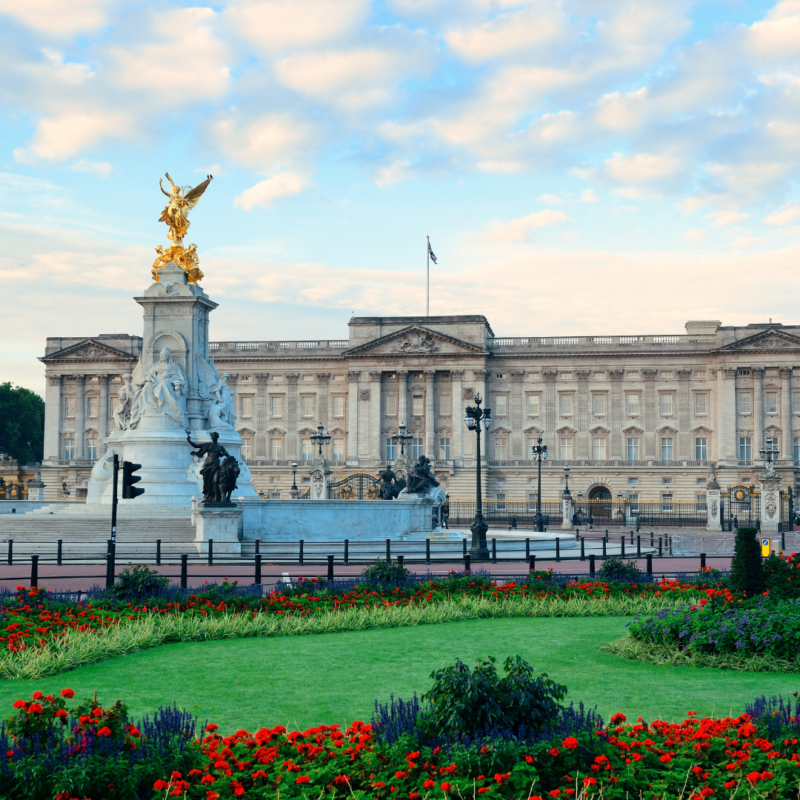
(300, 681)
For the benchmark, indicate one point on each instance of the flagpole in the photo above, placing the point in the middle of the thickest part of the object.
(428, 279)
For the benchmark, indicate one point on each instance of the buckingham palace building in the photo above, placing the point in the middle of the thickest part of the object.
(643, 415)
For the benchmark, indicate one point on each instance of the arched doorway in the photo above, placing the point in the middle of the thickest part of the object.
(600, 505)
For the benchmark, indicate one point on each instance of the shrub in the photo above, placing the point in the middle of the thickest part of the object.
(467, 702)
(385, 572)
(747, 574)
(136, 582)
(782, 576)
(619, 571)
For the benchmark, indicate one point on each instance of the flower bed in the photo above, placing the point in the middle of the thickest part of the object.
(31, 618)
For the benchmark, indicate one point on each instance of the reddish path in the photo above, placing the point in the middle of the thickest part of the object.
(73, 577)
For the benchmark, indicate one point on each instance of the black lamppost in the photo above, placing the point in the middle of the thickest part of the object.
(64, 489)
(539, 453)
(566, 480)
(320, 437)
(472, 419)
(294, 476)
(769, 454)
(403, 438)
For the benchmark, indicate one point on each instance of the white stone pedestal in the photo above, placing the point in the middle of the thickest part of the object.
(713, 509)
(566, 511)
(222, 523)
(770, 504)
(320, 477)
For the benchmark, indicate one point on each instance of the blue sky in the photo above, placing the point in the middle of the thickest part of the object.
(582, 166)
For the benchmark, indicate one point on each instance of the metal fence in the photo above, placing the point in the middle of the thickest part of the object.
(722, 544)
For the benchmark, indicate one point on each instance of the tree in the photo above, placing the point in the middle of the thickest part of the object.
(21, 423)
(747, 574)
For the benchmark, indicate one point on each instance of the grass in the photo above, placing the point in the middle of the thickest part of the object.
(303, 680)
(79, 648)
(670, 654)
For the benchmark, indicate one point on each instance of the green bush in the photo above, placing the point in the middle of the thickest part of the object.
(617, 570)
(385, 572)
(747, 574)
(467, 702)
(782, 577)
(136, 582)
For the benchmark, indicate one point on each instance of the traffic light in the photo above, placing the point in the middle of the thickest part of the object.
(129, 491)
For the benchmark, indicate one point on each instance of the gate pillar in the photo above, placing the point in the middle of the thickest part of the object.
(713, 503)
(320, 472)
(770, 503)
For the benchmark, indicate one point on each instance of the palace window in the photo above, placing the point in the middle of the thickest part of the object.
(445, 405)
(91, 449)
(565, 448)
(91, 406)
(532, 442)
(391, 405)
(391, 450)
(500, 448)
(444, 448)
(69, 449)
(69, 406)
(500, 505)
(633, 480)
(666, 448)
(700, 404)
(306, 450)
(417, 406)
(745, 402)
(701, 449)
(533, 405)
(665, 404)
(246, 405)
(276, 448)
(500, 405)
(745, 451)
(633, 449)
(796, 448)
(666, 503)
(565, 405)
(771, 402)
(416, 448)
(795, 402)
(276, 406)
(338, 405)
(633, 502)
(599, 405)
(631, 404)
(338, 449)
(307, 406)
(275, 495)
(247, 447)
(700, 499)
(599, 449)
(666, 480)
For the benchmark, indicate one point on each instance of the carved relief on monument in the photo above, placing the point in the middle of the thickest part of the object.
(416, 342)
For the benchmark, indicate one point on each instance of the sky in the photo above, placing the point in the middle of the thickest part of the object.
(581, 166)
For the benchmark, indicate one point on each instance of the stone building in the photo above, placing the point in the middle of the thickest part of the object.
(639, 414)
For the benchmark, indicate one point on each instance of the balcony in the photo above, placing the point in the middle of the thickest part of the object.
(275, 348)
(597, 343)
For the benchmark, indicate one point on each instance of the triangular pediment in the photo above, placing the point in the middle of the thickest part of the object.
(414, 340)
(766, 341)
(88, 350)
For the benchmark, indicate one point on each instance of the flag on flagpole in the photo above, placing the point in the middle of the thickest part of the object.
(430, 252)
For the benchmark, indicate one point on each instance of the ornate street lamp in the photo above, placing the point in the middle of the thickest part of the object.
(769, 454)
(403, 438)
(566, 479)
(320, 437)
(294, 477)
(539, 453)
(472, 419)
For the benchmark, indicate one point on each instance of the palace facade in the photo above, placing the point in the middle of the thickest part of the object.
(642, 415)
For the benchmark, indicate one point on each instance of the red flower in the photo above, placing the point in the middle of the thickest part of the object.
(429, 784)
(665, 759)
(160, 785)
(68, 693)
(617, 718)
(208, 779)
(555, 793)
(590, 781)
(38, 696)
(501, 779)
(212, 727)
(20, 704)
(730, 784)
(303, 779)
(446, 787)
(554, 751)
(571, 743)
(104, 731)
(753, 777)
(35, 708)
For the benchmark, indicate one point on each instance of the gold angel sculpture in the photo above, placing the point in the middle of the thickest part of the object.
(181, 200)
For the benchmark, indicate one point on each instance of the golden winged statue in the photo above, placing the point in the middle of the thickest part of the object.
(181, 200)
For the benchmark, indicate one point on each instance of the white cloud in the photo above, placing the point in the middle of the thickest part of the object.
(100, 168)
(284, 184)
(747, 241)
(277, 25)
(550, 199)
(694, 235)
(396, 172)
(517, 230)
(642, 168)
(724, 218)
(57, 17)
(262, 143)
(785, 217)
(777, 36)
(588, 196)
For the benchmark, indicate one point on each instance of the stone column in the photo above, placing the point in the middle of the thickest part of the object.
(291, 418)
(615, 413)
(566, 511)
(786, 412)
(322, 404)
(550, 411)
(729, 415)
(53, 412)
(402, 392)
(770, 503)
(456, 446)
(480, 386)
(650, 412)
(430, 417)
(713, 503)
(516, 412)
(80, 415)
(320, 472)
(376, 415)
(352, 418)
(582, 418)
(102, 414)
(261, 416)
(684, 414)
(758, 410)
